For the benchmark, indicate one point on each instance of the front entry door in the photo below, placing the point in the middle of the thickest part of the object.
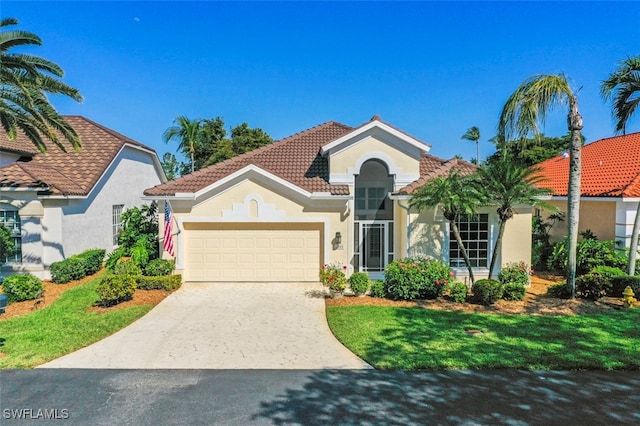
(374, 246)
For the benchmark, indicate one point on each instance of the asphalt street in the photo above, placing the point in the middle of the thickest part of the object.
(317, 397)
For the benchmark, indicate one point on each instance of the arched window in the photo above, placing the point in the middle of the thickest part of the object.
(373, 225)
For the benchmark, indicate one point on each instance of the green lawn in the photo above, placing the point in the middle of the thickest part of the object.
(60, 328)
(417, 338)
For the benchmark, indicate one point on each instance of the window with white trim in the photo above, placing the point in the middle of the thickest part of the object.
(474, 233)
(10, 219)
(117, 222)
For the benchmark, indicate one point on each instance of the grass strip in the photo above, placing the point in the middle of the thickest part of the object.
(423, 339)
(61, 328)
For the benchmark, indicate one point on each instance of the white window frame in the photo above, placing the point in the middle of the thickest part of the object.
(116, 221)
(14, 226)
(464, 226)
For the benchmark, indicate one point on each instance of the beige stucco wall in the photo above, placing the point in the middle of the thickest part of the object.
(255, 201)
(347, 162)
(429, 236)
(598, 216)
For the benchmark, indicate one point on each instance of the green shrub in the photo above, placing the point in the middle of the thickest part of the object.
(608, 271)
(113, 289)
(590, 254)
(487, 292)
(515, 272)
(359, 283)
(127, 267)
(458, 291)
(618, 284)
(161, 282)
(416, 278)
(22, 287)
(513, 291)
(72, 268)
(92, 260)
(377, 289)
(158, 267)
(114, 257)
(560, 291)
(592, 286)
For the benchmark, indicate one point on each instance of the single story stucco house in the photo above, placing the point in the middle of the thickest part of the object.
(610, 187)
(329, 194)
(59, 204)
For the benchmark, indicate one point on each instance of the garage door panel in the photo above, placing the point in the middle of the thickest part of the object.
(252, 254)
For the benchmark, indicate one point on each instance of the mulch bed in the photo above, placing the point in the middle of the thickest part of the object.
(53, 291)
(536, 302)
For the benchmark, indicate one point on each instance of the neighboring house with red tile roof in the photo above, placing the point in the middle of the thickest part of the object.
(610, 187)
(329, 194)
(59, 204)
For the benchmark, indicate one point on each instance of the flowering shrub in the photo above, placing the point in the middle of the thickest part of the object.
(334, 276)
(416, 278)
(515, 272)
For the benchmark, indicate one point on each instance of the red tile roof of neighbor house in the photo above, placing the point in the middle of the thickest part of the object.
(71, 173)
(610, 168)
(296, 159)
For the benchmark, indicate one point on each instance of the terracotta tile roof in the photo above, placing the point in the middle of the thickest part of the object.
(295, 159)
(431, 167)
(70, 173)
(610, 168)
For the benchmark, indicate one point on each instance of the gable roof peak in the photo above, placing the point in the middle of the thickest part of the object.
(375, 118)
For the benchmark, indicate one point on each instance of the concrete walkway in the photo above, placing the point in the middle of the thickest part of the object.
(225, 326)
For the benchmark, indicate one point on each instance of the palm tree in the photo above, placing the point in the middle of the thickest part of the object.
(520, 116)
(25, 81)
(187, 133)
(623, 89)
(507, 184)
(454, 195)
(473, 135)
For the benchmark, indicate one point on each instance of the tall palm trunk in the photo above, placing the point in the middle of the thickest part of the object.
(494, 255)
(575, 169)
(193, 161)
(465, 256)
(633, 248)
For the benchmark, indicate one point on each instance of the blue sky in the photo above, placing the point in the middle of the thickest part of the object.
(433, 69)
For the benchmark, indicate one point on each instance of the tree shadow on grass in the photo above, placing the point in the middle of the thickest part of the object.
(428, 339)
(369, 397)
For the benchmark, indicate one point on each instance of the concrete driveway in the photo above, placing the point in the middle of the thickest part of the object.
(225, 326)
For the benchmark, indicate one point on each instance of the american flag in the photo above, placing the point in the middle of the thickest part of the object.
(168, 230)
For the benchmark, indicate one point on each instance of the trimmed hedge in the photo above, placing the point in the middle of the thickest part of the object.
(93, 260)
(72, 268)
(513, 291)
(560, 291)
(160, 282)
(22, 287)
(113, 289)
(377, 289)
(127, 267)
(359, 283)
(77, 266)
(487, 292)
(618, 284)
(158, 267)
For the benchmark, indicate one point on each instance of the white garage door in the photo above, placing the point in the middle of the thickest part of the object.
(226, 252)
